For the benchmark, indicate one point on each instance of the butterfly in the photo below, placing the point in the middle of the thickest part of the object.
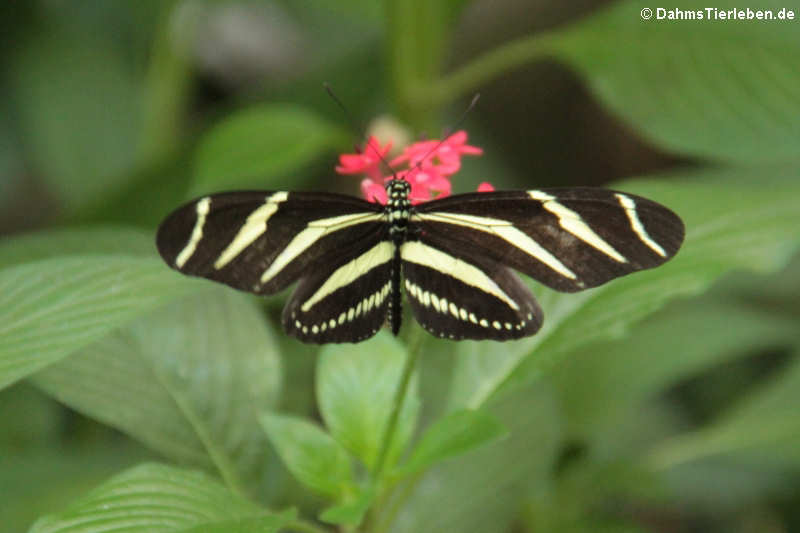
(452, 257)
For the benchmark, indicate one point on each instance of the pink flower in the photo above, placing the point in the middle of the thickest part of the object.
(366, 162)
(373, 192)
(447, 152)
(429, 167)
(426, 183)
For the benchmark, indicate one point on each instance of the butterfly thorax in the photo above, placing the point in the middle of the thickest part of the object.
(398, 209)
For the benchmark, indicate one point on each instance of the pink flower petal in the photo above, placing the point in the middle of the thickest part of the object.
(366, 162)
(429, 164)
(373, 191)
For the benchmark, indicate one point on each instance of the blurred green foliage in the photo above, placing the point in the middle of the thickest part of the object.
(665, 401)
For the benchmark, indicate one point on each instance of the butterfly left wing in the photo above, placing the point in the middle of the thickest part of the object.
(568, 239)
(262, 241)
(346, 300)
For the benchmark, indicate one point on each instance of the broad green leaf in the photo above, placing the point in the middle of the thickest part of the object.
(158, 499)
(259, 146)
(47, 475)
(51, 307)
(77, 103)
(356, 386)
(731, 224)
(453, 435)
(715, 89)
(350, 513)
(28, 419)
(189, 380)
(271, 523)
(764, 428)
(600, 385)
(310, 454)
(725, 481)
(76, 241)
(482, 491)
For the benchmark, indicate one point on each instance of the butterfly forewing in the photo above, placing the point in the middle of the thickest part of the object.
(466, 296)
(568, 239)
(263, 241)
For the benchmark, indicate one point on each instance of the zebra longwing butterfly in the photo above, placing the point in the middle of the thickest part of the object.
(451, 256)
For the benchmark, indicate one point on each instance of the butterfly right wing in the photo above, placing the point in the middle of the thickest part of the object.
(260, 241)
(466, 295)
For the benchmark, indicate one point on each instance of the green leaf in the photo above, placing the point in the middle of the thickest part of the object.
(158, 498)
(188, 380)
(453, 435)
(61, 278)
(356, 386)
(259, 147)
(48, 475)
(52, 307)
(731, 224)
(309, 453)
(725, 481)
(76, 241)
(271, 523)
(350, 513)
(714, 89)
(78, 105)
(762, 429)
(600, 386)
(482, 491)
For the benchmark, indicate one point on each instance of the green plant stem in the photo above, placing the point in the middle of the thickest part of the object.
(414, 346)
(386, 518)
(166, 91)
(482, 69)
(416, 33)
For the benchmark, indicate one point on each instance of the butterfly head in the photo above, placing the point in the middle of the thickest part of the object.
(397, 192)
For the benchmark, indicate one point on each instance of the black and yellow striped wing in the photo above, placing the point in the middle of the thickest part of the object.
(452, 257)
(348, 300)
(568, 239)
(262, 242)
(463, 294)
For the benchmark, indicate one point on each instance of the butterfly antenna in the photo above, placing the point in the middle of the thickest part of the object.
(354, 125)
(357, 129)
(448, 134)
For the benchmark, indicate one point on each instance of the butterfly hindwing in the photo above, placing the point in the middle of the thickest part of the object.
(568, 239)
(347, 300)
(456, 295)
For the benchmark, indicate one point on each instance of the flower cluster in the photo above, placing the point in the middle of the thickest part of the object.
(429, 166)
